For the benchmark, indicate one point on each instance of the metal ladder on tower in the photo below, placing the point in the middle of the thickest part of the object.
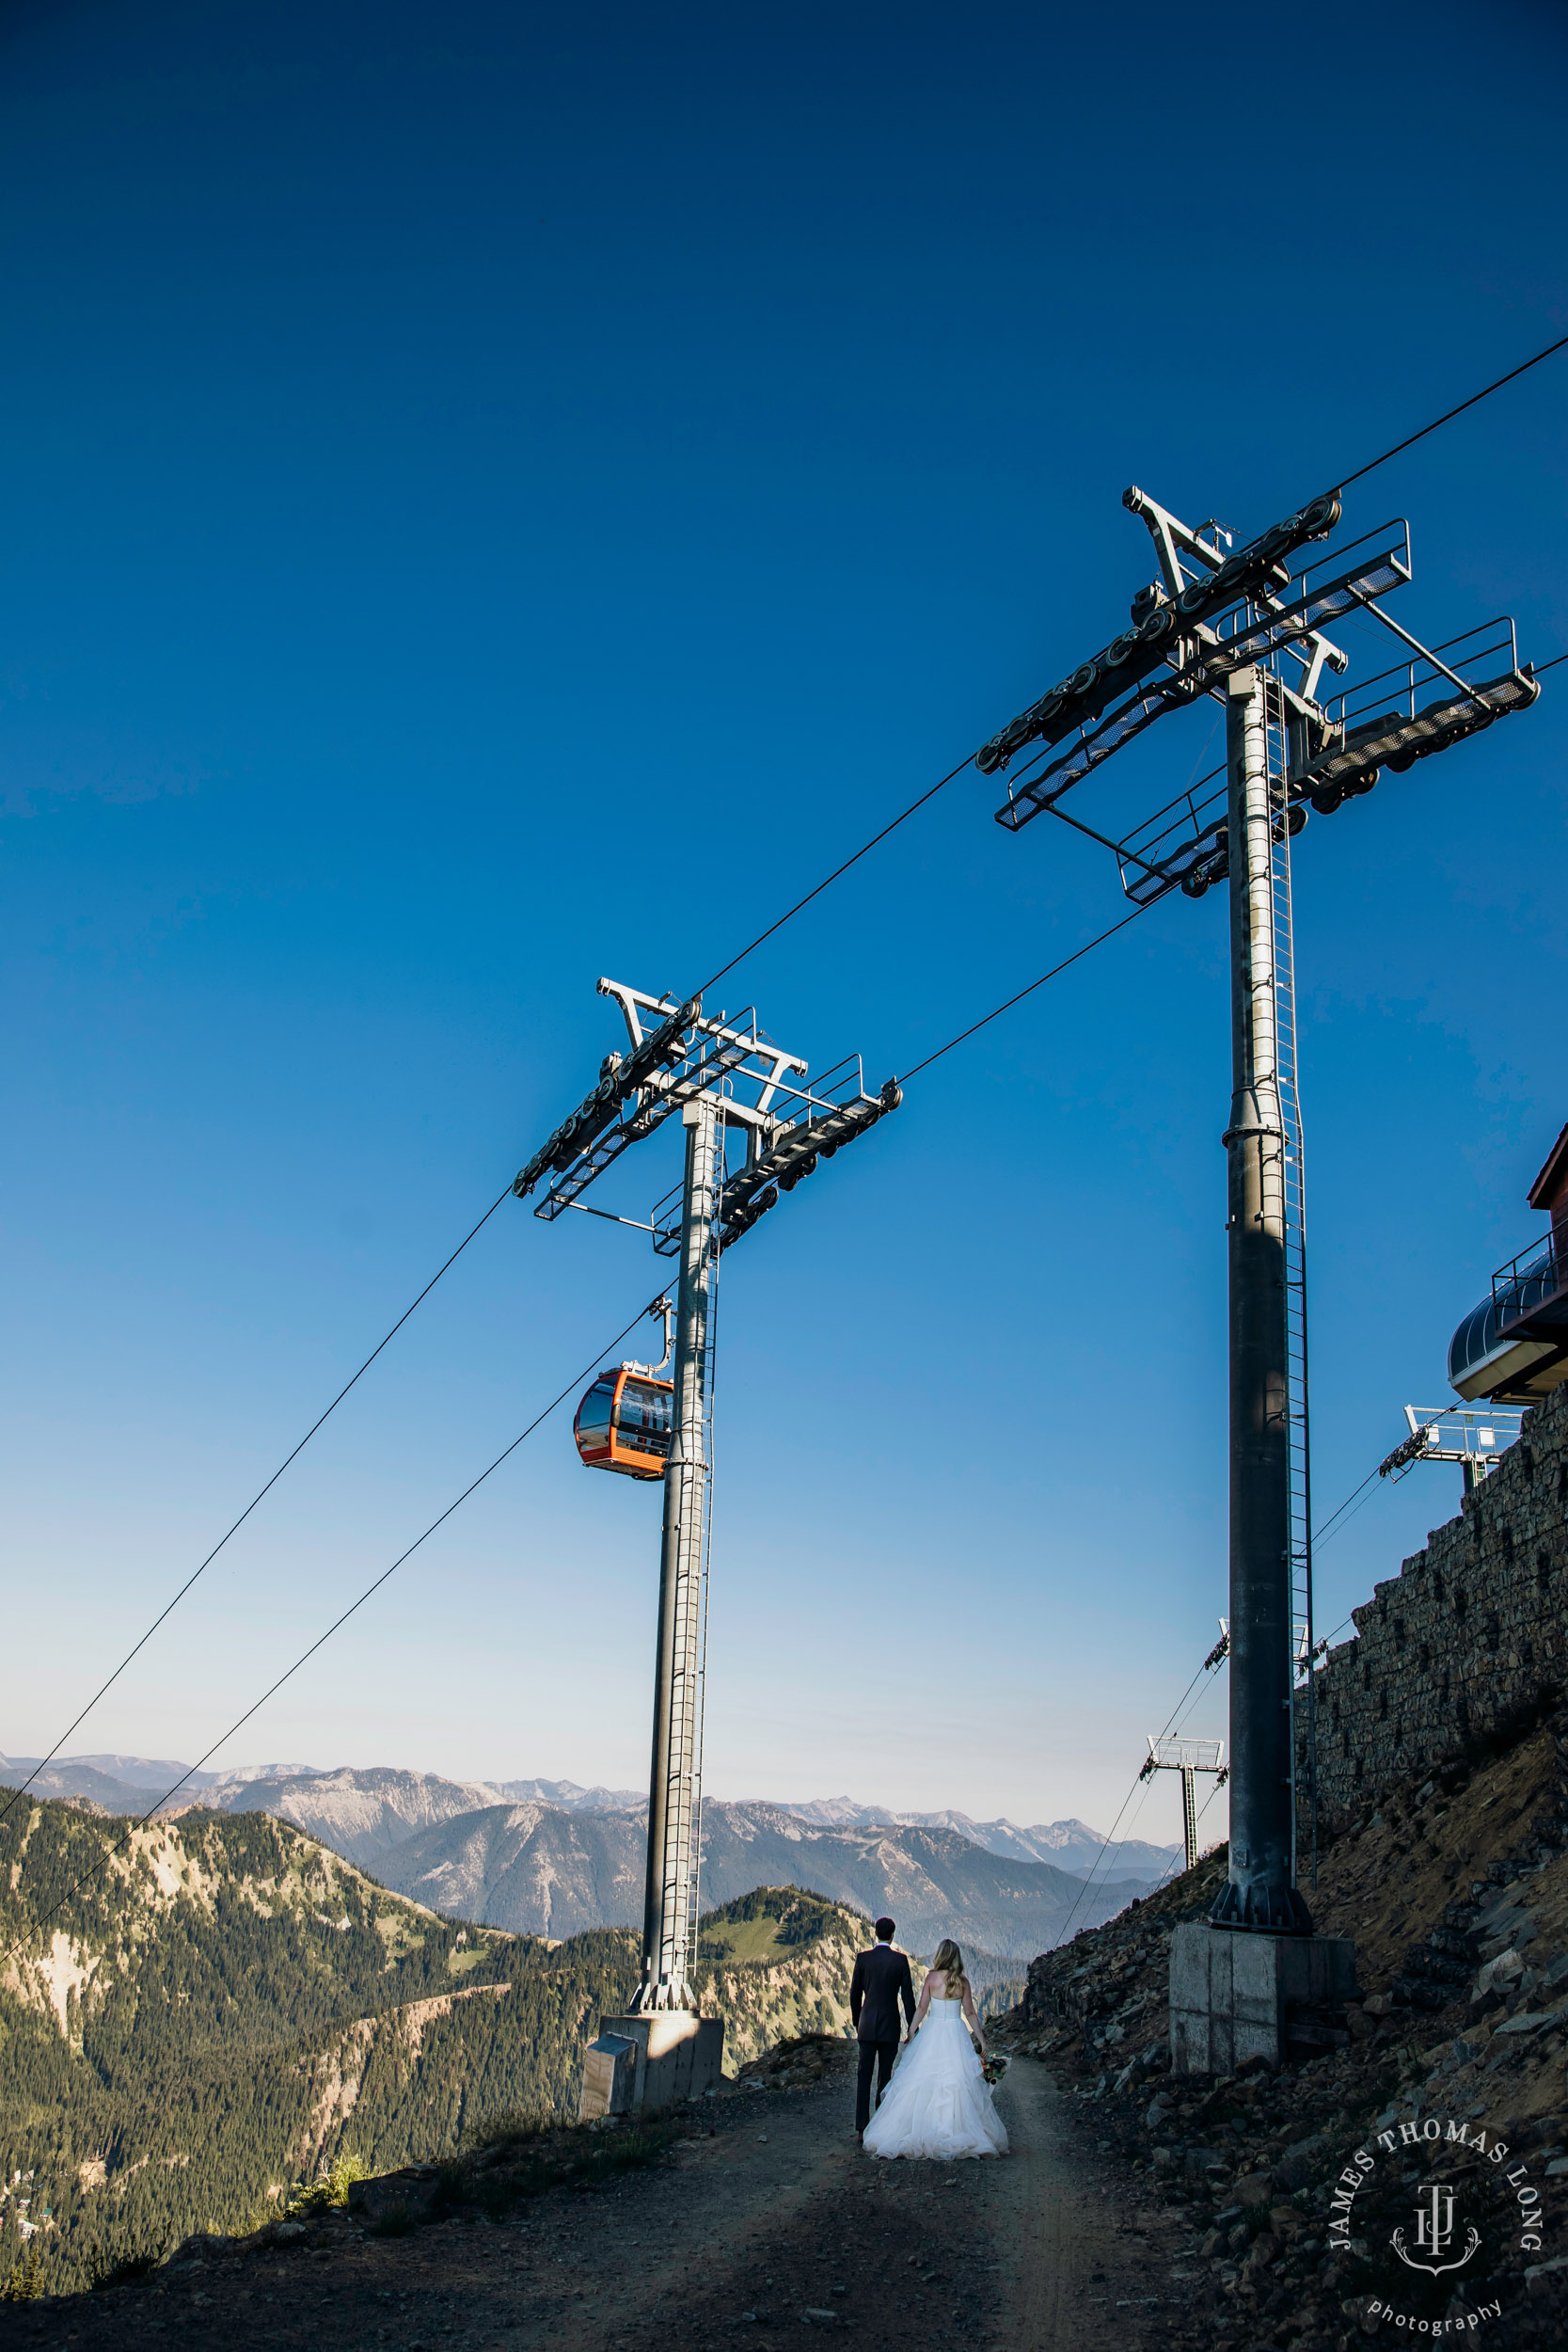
(697, 1685)
(1303, 1728)
(675, 1853)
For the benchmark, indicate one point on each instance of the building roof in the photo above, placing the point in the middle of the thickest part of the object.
(1553, 1179)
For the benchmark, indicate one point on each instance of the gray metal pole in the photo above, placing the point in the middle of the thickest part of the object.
(1260, 1892)
(670, 1904)
(1189, 1814)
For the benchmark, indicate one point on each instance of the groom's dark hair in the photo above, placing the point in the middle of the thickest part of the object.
(885, 1931)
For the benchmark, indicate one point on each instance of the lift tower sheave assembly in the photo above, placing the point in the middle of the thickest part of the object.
(1473, 1436)
(1244, 628)
(725, 1078)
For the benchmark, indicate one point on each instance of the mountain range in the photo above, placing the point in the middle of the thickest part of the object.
(539, 1870)
(130, 1784)
(1066, 1845)
(534, 1870)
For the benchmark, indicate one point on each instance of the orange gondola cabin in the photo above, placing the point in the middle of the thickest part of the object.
(624, 1422)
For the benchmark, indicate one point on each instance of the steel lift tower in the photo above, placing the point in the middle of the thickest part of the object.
(1244, 628)
(725, 1078)
(1189, 1757)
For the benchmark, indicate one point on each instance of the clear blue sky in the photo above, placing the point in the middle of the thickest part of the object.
(495, 497)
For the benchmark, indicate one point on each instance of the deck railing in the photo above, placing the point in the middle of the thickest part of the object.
(1527, 1282)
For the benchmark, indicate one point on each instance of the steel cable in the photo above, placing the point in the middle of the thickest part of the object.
(1319, 1534)
(1448, 415)
(1076, 956)
(256, 1497)
(828, 880)
(1090, 1878)
(1110, 1841)
(321, 1638)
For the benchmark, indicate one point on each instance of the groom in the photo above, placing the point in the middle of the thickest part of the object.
(880, 1982)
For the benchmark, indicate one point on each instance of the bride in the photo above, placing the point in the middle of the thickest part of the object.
(938, 2102)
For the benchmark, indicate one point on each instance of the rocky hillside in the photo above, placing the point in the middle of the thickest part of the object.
(1455, 1888)
(529, 1868)
(361, 1813)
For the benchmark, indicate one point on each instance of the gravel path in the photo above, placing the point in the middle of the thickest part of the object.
(767, 2219)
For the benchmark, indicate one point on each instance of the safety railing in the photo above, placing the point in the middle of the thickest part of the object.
(1527, 1282)
(1490, 648)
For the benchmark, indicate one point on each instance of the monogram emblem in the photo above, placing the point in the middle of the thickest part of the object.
(1435, 2235)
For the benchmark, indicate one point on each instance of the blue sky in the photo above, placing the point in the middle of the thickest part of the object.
(493, 501)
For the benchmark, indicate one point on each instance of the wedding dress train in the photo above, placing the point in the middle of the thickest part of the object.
(938, 2102)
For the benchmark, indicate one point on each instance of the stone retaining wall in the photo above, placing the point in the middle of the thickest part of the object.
(1470, 1638)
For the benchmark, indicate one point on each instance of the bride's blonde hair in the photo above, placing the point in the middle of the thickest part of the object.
(951, 1961)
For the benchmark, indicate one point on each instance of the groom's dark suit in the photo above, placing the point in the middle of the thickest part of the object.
(880, 1982)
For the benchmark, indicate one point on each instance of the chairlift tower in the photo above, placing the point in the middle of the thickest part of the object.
(1189, 1757)
(1244, 628)
(725, 1078)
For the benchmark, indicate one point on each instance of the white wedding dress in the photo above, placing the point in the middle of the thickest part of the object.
(938, 2102)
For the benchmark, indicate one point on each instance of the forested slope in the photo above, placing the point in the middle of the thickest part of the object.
(226, 2008)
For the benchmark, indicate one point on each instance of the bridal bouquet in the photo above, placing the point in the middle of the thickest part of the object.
(993, 2068)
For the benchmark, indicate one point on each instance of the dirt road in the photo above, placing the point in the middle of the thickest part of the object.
(767, 2219)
